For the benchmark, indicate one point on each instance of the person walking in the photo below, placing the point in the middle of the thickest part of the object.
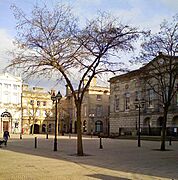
(6, 137)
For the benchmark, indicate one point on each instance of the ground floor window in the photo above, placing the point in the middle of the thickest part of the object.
(98, 126)
(44, 128)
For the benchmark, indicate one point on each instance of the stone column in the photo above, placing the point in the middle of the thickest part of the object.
(1, 126)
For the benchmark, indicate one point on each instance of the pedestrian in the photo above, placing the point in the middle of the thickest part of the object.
(6, 137)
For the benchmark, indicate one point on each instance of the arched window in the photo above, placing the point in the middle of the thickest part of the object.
(98, 126)
(44, 128)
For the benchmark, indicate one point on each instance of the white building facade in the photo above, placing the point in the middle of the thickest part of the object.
(10, 103)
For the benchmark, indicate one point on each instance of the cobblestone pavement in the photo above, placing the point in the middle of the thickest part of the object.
(118, 160)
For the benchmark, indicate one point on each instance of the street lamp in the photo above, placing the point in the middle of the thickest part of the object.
(92, 115)
(139, 104)
(56, 98)
(47, 113)
(33, 115)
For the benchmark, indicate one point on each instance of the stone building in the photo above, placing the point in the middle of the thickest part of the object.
(10, 103)
(37, 113)
(95, 109)
(126, 90)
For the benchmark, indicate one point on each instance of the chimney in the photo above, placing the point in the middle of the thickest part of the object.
(53, 91)
(68, 91)
(94, 81)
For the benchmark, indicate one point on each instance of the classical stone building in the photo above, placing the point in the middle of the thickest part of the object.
(37, 110)
(126, 90)
(95, 109)
(10, 103)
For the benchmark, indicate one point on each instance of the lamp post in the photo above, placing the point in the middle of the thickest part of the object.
(56, 98)
(47, 113)
(92, 115)
(33, 115)
(139, 104)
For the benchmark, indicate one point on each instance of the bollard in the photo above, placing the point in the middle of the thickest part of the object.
(101, 146)
(91, 134)
(47, 136)
(20, 136)
(69, 136)
(35, 142)
(170, 141)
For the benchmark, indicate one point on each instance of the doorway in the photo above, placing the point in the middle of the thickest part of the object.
(5, 126)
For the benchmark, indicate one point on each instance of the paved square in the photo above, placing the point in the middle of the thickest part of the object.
(119, 159)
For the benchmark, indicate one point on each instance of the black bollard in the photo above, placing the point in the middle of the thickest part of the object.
(35, 142)
(20, 136)
(170, 141)
(101, 146)
(47, 136)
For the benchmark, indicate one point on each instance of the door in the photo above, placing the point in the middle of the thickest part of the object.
(5, 125)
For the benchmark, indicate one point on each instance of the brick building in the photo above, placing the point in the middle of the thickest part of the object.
(95, 109)
(126, 90)
(37, 113)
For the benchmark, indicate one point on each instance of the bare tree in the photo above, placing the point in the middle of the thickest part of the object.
(51, 42)
(162, 71)
(32, 113)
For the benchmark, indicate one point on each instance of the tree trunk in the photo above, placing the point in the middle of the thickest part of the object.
(163, 132)
(79, 132)
(33, 127)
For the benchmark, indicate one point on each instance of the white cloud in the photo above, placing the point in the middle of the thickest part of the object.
(173, 4)
(91, 2)
(5, 46)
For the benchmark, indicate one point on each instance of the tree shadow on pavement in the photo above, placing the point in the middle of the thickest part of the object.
(117, 155)
(107, 177)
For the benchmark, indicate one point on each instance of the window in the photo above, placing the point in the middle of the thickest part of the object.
(137, 95)
(31, 112)
(45, 114)
(15, 87)
(85, 110)
(6, 96)
(32, 102)
(25, 112)
(16, 124)
(25, 101)
(44, 103)
(98, 97)
(15, 98)
(98, 126)
(38, 103)
(99, 111)
(38, 112)
(7, 86)
(44, 128)
(116, 103)
(150, 97)
(127, 101)
(126, 86)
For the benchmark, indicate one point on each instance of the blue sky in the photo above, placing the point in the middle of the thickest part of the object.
(146, 14)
